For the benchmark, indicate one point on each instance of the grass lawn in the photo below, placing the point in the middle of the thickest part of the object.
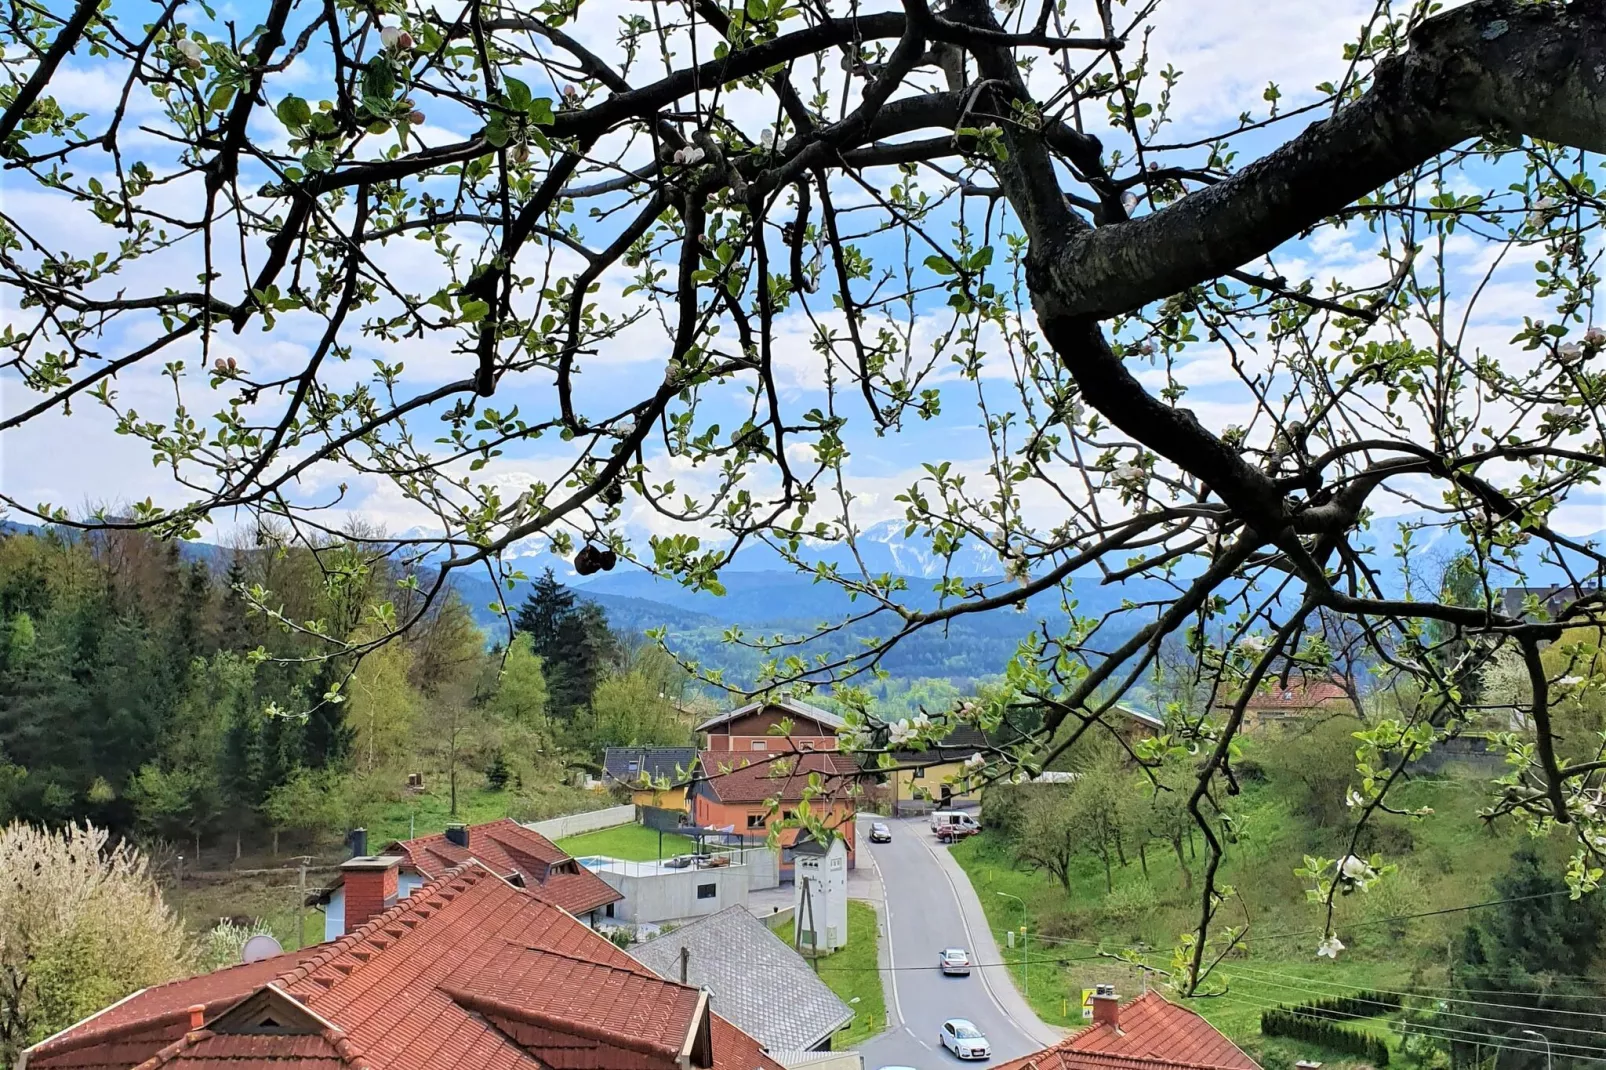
(854, 973)
(632, 843)
(1448, 859)
(430, 812)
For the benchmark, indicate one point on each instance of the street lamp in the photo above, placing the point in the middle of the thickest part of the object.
(1541, 1036)
(1025, 950)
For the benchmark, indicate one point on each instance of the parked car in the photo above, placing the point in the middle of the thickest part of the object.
(879, 833)
(953, 824)
(964, 1039)
(955, 962)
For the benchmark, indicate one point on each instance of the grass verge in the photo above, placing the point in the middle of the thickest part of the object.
(854, 975)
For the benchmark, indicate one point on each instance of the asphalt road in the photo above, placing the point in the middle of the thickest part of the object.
(923, 917)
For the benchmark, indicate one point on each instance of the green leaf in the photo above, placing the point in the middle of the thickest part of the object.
(540, 111)
(318, 160)
(221, 97)
(294, 112)
(475, 310)
(518, 94)
(940, 264)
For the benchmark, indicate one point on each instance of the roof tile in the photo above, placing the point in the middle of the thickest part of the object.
(1154, 1034)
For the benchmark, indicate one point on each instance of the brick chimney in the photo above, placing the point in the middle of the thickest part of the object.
(1106, 1007)
(457, 834)
(370, 887)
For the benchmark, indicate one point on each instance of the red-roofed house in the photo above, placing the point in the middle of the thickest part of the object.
(1277, 703)
(468, 973)
(508, 849)
(732, 791)
(1147, 1033)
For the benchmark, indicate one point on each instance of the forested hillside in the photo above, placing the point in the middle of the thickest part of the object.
(139, 692)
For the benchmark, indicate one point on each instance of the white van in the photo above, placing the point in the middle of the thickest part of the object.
(952, 824)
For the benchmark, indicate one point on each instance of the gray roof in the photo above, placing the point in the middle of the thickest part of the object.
(629, 764)
(795, 707)
(754, 980)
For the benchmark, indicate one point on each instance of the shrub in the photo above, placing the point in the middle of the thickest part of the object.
(1314, 1028)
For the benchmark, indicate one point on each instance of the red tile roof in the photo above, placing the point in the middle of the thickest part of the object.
(468, 973)
(739, 778)
(1299, 695)
(1154, 1034)
(509, 848)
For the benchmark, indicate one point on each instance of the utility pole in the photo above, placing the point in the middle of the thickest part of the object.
(301, 903)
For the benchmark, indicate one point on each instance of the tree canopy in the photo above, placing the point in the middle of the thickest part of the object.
(702, 257)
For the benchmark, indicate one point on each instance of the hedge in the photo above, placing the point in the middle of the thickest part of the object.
(1295, 1023)
(1348, 1008)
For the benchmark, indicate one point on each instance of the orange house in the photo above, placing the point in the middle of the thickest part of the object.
(758, 727)
(733, 792)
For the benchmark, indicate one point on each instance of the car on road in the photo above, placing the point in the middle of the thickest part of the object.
(954, 961)
(960, 1036)
(879, 833)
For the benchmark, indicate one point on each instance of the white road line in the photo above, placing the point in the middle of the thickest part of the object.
(892, 964)
(971, 939)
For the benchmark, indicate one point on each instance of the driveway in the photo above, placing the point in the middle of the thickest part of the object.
(927, 905)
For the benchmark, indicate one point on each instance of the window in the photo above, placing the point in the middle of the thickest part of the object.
(759, 744)
(609, 911)
(788, 815)
(918, 774)
(755, 821)
(707, 891)
(635, 767)
(805, 744)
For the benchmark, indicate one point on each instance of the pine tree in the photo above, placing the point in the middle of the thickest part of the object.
(326, 737)
(544, 613)
(573, 641)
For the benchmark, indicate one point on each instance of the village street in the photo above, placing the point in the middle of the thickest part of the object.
(927, 905)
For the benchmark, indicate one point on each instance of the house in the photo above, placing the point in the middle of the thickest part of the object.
(1279, 702)
(757, 727)
(1147, 1033)
(652, 893)
(468, 972)
(764, 987)
(935, 777)
(509, 850)
(820, 905)
(732, 791)
(1554, 600)
(654, 776)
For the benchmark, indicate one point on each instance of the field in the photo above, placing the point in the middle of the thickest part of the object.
(631, 843)
(1448, 859)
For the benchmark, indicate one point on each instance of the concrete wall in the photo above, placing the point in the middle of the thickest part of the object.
(763, 866)
(556, 828)
(657, 897)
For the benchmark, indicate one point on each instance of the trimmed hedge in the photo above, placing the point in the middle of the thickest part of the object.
(1348, 1008)
(1313, 1029)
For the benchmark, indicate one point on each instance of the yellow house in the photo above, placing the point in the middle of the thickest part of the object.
(933, 779)
(655, 776)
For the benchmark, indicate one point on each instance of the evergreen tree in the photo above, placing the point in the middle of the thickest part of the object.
(326, 737)
(544, 613)
(1532, 949)
(573, 641)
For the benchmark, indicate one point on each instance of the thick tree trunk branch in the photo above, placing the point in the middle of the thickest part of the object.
(1492, 67)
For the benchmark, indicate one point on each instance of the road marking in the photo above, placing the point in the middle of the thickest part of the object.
(971, 938)
(892, 964)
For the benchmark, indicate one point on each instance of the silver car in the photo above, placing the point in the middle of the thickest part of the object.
(955, 962)
(960, 1036)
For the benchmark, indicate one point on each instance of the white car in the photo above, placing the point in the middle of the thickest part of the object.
(955, 962)
(964, 1039)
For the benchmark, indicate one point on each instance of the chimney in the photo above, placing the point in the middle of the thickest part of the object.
(1106, 1007)
(197, 1016)
(457, 834)
(685, 963)
(370, 887)
(357, 840)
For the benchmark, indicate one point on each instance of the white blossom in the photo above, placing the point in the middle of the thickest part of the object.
(1146, 348)
(1541, 209)
(976, 761)
(690, 156)
(189, 50)
(396, 39)
(1252, 644)
(1130, 474)
(766, 137)
(1354, 799)
(1595, 338)
(1129, 201)
(1571, 353)
(1570, 681)
(1356, 869)
(1330, 946)
(1559, 413)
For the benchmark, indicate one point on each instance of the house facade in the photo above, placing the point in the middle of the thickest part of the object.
(468, 972)
(1279, 702)
(780, 725)
(732, 792)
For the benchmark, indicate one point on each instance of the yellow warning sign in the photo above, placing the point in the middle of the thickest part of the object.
(1087, 1004)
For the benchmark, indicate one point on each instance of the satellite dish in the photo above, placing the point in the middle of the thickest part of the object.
(259, 947)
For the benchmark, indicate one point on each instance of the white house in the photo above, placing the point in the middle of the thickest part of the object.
(821, 893)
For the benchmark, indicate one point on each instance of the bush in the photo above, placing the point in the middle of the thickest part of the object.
(1313, 1027)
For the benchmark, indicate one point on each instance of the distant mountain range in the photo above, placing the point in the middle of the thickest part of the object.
(764, 596)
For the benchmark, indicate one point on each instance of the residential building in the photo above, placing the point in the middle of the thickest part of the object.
(1297, 698)
(935, 777)
(820, 903)
(758, 982)
(733, 791)
(652, 893)
(1147, 1033)
(654, 776)
(1554, 600)
(511, 851)
(758, 726)
(469, 972)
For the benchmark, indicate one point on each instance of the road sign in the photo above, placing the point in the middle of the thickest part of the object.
(1087, 1004)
